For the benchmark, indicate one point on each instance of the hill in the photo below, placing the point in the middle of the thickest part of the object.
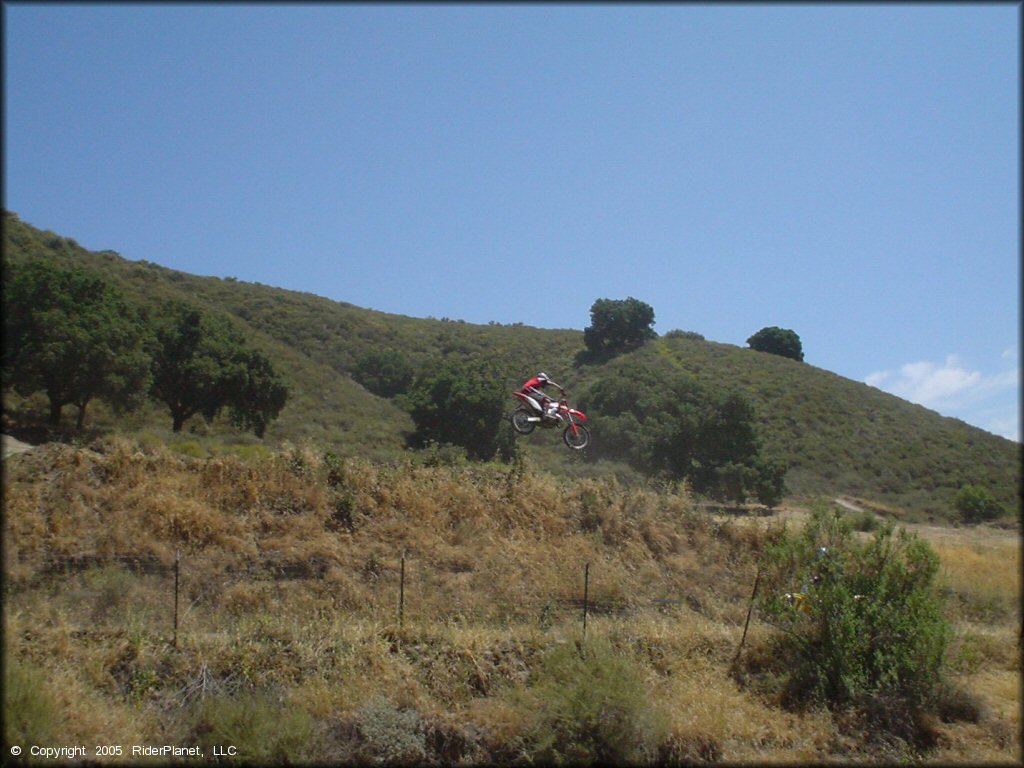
(840, 438)
(347, 612)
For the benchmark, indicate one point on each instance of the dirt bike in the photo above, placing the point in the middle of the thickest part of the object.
(530, 414)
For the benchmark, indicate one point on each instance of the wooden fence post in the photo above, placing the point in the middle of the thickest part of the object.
(401, 594)
(750, 610)
(586, 597)
(177, 581)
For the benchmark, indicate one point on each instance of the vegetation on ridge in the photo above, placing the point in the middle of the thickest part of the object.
(835, 436)
(412, 606)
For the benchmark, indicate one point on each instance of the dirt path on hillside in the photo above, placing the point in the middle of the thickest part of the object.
(12, 445)
(981, 535)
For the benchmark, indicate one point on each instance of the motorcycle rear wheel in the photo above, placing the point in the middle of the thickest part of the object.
(521, 421)
(576, 436)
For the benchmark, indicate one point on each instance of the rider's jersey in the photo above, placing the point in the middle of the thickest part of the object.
(534, 384)
(534, 388)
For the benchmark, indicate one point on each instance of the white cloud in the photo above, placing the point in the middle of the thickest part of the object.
(927, 383)
(985, 400)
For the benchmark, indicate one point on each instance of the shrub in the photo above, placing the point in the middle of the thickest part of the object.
(389, 735)
(863, 520)
(677, 333)
(190, 448)
(31, 714)
(976, 504)
(870, 624)
(261, 729)
(591, 706)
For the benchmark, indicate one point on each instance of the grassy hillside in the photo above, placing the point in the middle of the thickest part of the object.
(290, 646)
(840, 437)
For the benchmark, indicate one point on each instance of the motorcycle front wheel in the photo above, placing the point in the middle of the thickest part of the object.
(521, 421)
(576, 436)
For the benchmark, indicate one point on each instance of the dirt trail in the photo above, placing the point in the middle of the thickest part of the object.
(978, 535)
(12, 445)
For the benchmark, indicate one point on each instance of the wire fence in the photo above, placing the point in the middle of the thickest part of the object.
(189, 582)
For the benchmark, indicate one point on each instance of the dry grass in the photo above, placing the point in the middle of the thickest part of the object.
(290, 583)
(984, 576)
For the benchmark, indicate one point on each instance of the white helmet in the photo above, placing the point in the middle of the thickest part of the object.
(543, 378)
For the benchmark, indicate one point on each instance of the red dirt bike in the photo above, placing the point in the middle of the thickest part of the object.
(530, 414)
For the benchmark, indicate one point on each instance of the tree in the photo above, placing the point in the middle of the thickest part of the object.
(73, 336)
(618, 325)
(256, 394)
(770, 480)
(665, 423)
(777, 341)
(201, 365)
(460, 405)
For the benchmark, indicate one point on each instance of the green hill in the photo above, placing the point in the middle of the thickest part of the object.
(839, 437)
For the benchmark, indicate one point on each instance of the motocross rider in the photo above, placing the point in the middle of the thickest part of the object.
(534, 388)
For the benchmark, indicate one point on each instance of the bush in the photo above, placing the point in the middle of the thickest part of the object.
(591, 706)
(677, 333)
(870, 624)
(32, 715)
(862, 520)
(261, 729)
(976, 504)
(388, 735)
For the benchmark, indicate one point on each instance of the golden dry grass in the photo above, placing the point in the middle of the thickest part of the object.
(290, 583)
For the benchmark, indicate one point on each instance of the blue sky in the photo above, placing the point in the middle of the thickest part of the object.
(851, 172)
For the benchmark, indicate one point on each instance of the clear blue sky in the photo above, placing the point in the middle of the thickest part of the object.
(851, 172)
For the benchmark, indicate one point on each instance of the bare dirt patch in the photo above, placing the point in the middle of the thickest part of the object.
(11, 445)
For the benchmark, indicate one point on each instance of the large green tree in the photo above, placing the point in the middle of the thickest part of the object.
(257, 394)
(460, 405)
(617, 325)
(72, 335)
(202, 365)
(777, 341)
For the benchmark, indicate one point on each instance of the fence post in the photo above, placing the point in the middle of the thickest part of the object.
(177, 579)
(586, 597)
(750, 610)
(401, 594)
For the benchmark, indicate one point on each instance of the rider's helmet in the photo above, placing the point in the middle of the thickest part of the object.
(543, 378)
